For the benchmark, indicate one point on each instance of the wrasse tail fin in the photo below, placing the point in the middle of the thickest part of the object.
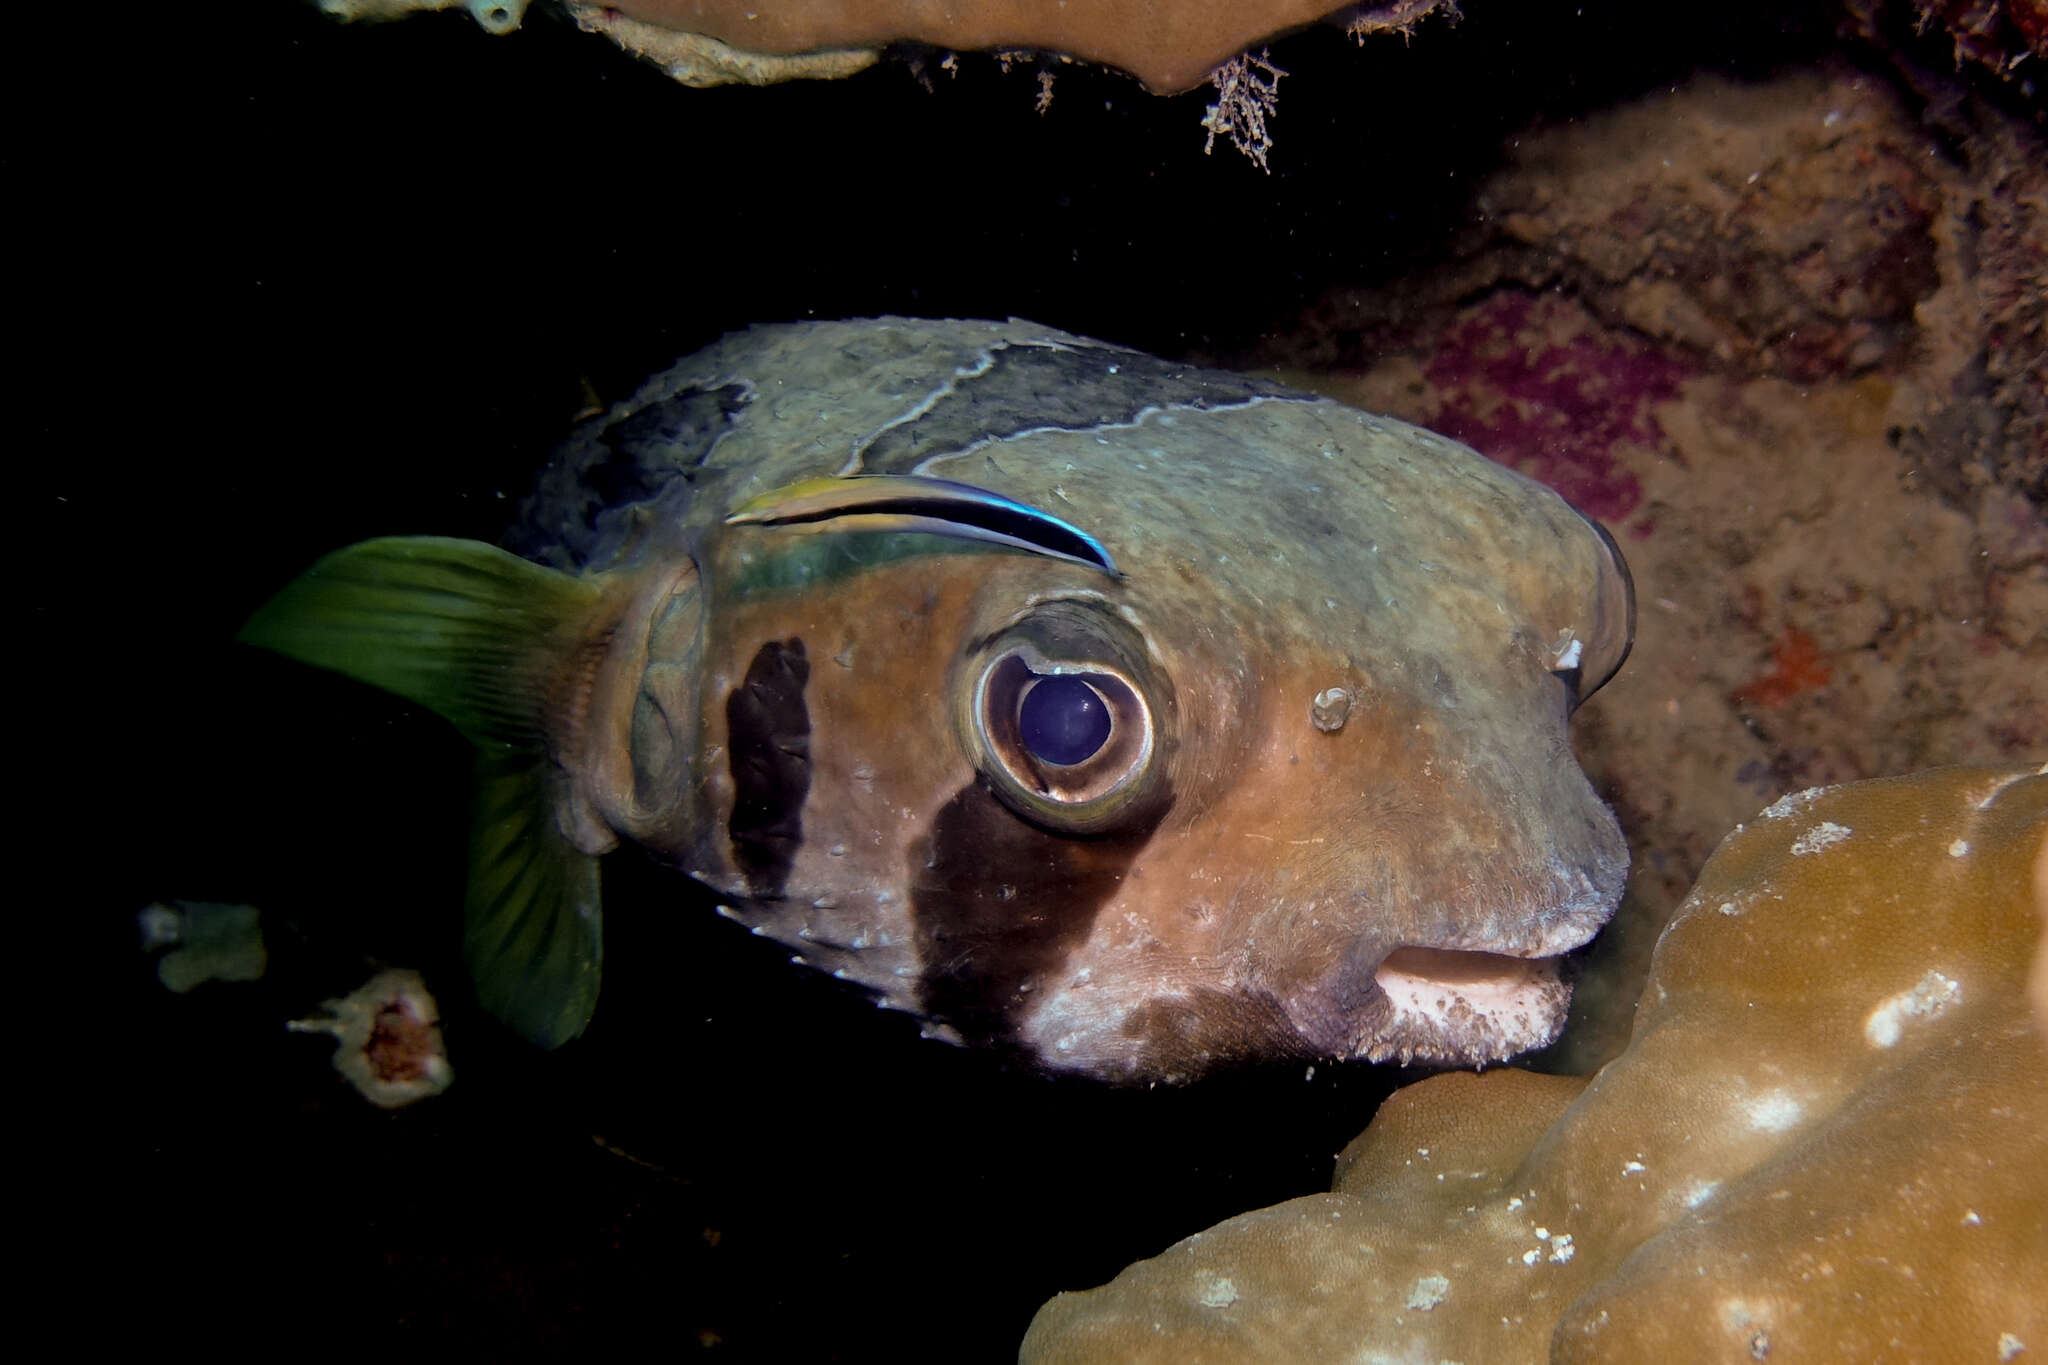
(482, 638)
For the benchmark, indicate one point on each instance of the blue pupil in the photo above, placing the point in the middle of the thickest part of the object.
(1062, 721)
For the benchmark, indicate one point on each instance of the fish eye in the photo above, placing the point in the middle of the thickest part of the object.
(1062, 720)
(1059, 722)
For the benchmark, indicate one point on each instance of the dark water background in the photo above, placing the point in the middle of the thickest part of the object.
(286, 285)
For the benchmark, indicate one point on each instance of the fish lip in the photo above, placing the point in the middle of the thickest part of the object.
(1419, 964)
(1480, 984)
(1457, 1007)
(1462, 1002)
(1555, 934)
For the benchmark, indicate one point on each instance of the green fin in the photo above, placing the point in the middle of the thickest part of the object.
(478, 636)
(461, 627)
(532, 932)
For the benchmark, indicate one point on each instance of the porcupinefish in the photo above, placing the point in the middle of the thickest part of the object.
(1132, 716)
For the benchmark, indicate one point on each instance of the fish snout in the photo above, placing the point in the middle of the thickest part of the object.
(1466, 990)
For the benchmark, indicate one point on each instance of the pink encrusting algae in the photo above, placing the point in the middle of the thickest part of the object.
(1531, 383)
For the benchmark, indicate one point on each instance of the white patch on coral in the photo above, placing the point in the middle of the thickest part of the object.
(1748, 1321)
(1557, 1245)
(1929, 998)
(1774, 1112)
(1822, 835)
(1791, 805)
(1427, 1292)
(1217, 1291)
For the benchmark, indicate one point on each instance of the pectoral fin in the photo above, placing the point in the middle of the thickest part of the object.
(533, 934)
(495, 644)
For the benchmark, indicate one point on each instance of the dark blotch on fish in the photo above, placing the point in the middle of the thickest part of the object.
(770, 730)
(670, 436)
(997, 904)
(632, 459)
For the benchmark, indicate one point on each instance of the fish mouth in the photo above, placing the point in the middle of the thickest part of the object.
(1464, 1007)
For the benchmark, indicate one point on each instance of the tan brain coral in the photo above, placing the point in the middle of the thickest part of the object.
(1169, 46)
(2037, 988)
(1827, 1140)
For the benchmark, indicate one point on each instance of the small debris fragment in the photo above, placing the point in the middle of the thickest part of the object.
(390, 1039)
(208, 941)
(1247, 92)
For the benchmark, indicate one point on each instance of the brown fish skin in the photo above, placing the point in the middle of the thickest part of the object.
(1251, 909)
